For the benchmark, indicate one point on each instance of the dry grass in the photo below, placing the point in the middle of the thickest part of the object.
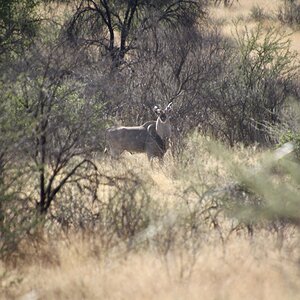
(241, 12)
(81, 266)
(249, 269)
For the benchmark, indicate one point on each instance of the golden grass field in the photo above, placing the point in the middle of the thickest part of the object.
(241, 12)
(76, 269)
(81, 265)
(216, 265)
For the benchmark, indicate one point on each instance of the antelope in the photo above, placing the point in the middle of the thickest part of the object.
(150, 138)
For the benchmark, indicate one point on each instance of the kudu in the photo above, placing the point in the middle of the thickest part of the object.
(150, 138)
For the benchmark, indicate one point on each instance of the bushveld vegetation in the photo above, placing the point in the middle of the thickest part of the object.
(220, 218)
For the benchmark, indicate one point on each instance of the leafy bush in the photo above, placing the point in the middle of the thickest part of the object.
(253, 87)
(18, 25)
(17, 212)
(275, 200)
(17, 223)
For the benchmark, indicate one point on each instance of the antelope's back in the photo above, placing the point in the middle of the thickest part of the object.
(132, 139)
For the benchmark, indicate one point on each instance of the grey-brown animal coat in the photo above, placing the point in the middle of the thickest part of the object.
(150, 138)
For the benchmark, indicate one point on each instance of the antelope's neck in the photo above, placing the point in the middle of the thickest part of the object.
(163, 129)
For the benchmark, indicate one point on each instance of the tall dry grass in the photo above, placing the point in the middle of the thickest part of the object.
(249, 269)
(249, 13)
(186, 250)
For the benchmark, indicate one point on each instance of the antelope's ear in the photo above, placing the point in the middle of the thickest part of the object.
(157, 110)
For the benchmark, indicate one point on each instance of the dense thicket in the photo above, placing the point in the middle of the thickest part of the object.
(18, 24)
(115, 26)
(63, 81)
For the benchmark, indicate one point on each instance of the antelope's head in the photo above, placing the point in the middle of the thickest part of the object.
(163, 127)
(163, 114)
